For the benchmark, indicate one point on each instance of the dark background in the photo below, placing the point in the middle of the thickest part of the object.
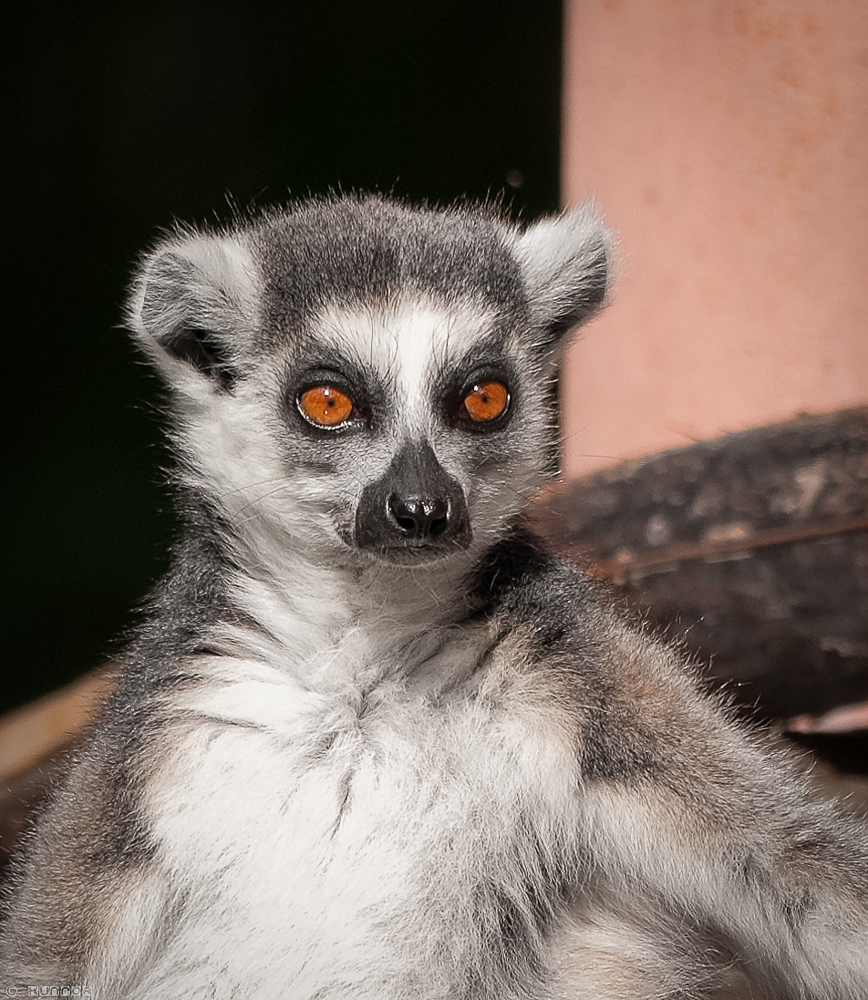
(123, 119)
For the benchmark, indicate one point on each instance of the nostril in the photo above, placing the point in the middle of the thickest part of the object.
(419, 518)
(406, 521)
(437, 525)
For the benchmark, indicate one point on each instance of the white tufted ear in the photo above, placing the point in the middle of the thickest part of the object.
(565, 261)
(194, 301)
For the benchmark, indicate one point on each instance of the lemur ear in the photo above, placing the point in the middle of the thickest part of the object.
(566, 262)
(194, 295)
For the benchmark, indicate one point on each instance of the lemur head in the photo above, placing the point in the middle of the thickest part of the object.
(360, 379)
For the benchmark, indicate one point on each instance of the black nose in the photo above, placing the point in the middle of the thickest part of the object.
(415, 511)
(419, 518)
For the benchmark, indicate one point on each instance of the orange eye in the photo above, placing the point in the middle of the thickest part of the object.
(486, 401)
(325, 406)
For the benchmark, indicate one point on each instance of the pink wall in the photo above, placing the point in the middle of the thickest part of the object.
(727, 143)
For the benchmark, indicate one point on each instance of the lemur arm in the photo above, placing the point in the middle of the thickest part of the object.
(726, 833)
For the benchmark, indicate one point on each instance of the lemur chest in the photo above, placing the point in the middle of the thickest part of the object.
(345, 819)
(324, 768)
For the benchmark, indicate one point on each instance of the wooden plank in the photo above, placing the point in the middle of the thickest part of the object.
(37, 732)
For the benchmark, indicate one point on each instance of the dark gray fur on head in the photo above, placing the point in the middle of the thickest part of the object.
(368, 249)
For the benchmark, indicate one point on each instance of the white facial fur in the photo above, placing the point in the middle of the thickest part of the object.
(240, 447)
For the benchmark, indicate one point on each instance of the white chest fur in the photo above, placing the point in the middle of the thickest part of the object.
(339, 844)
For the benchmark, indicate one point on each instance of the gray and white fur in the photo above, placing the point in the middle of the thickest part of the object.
(371, 741)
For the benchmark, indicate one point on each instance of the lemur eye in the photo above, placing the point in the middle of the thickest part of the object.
(325, 406)
(486, 401)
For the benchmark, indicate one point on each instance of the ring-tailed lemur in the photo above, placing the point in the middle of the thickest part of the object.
(371, 741)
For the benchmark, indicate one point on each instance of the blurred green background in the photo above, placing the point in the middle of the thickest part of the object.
(124, 118)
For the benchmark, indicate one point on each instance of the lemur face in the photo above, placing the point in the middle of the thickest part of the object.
(425, 422)
(359, 378)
